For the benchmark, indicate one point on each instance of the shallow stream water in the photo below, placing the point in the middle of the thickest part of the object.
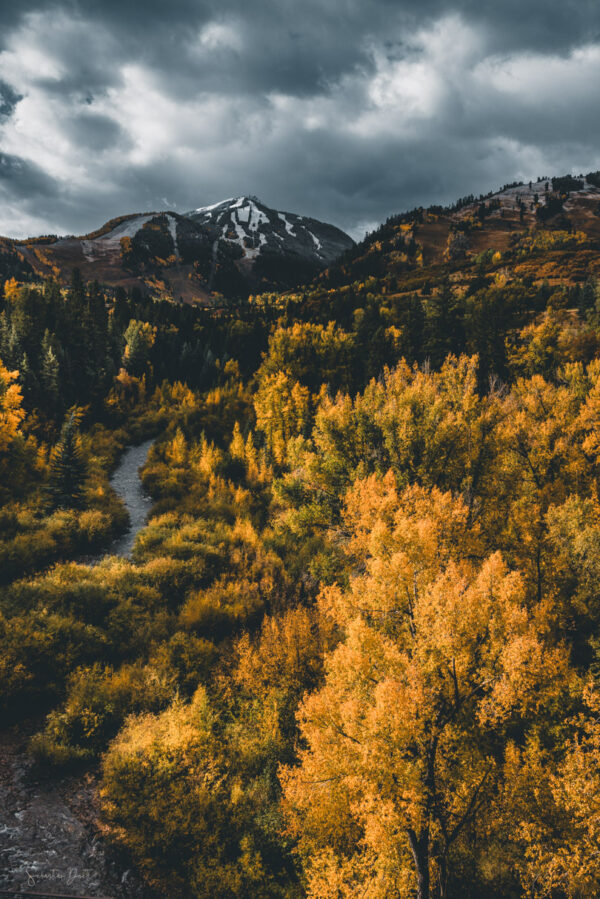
(126, 482)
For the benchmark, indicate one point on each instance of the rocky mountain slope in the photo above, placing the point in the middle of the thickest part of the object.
(227, 250)
(271, 240)
(508, 230)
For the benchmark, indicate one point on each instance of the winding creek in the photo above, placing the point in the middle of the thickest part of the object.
(48, 838)
(126, 482)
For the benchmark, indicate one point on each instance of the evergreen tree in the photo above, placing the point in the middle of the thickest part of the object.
(73, 339)
(12, 351)
(50, 374)
(414, 327)
(97, 364)
(139, 338)
(76, 290)
(5, 329)
(68, 469)
(445, 327)
(55, 306)
(28, 381)
(27, 314)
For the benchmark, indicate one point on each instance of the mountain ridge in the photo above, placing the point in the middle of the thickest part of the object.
(508, 224)
(229, 249)
(238, 246)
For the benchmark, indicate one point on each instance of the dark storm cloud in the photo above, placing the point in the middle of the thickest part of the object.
(8, 99)
(21, 176)
(95, 131)
(345, 110)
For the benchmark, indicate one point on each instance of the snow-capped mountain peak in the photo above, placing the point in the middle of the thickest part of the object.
(261, 232)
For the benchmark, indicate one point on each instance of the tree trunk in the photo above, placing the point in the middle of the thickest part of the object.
(443, 874)
(420, 850)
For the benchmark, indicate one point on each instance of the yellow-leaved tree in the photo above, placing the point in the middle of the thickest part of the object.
(11, 408)
(402, 747)
(549, 811)
(21, 462)
(282, 408)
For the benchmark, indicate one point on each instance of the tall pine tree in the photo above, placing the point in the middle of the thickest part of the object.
(68, 469)
(50, 375)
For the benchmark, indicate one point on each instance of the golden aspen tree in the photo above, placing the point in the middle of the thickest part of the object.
(11, 409)
(282, 409)
(439, 652)
(540, 463)
(549, 814)
(237, 449)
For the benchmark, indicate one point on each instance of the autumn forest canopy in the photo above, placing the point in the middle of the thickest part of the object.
(356, 650)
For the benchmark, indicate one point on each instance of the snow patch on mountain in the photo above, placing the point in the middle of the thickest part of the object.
(288, 227)
(111, 242)
(241, 234)
(214, 206)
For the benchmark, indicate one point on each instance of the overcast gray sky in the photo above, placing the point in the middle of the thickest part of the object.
(347, 110)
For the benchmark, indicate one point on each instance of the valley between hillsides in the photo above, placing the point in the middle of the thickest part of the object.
(354, 649)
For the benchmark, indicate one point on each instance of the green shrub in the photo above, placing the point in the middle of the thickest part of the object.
(98, 701)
